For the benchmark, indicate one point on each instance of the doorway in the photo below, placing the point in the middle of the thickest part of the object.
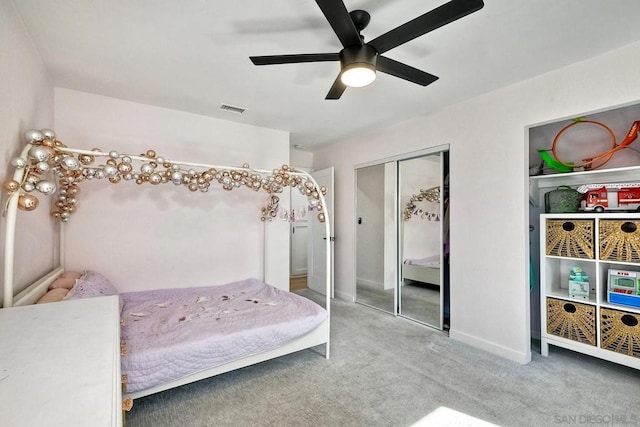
(308, 259)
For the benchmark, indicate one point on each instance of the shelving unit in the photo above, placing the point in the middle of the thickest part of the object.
(551, 282)
(588, 325)
(540, 184)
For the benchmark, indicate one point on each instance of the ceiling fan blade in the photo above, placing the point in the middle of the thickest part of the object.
(430, 21)
(294, 59)
(342, 24)
(403, 71)
(337, 89)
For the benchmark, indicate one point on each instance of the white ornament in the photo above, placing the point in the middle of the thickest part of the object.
(146, 168)
(42, 167)
(33, 135)
(46, 187)
(110, 170)
(40, 153)
(19, 162)
(70, 163)
(48, 133)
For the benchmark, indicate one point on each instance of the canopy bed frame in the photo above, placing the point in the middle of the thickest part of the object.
(44, 155)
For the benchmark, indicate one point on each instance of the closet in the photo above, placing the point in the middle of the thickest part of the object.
(574, 302)
(401, 236)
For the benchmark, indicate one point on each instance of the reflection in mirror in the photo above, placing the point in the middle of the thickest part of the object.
(376, 236)
(421, 237)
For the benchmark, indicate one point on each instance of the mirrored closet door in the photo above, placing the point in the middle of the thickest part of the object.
(421, 191)
(402, 235)
(376, 236)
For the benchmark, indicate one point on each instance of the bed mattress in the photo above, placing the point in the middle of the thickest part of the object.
(171, 333)
(431, 261)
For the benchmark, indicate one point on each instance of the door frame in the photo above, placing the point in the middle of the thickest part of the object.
(396, 159)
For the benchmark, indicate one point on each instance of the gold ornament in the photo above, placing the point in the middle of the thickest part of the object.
(86, 159)
(27, 202)
(73, 190)
(48, 142)
(125, 167)
(71, 169)
(11, 185)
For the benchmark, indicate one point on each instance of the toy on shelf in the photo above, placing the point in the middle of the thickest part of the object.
(624, 287)
(610, 197)
(591, 162)
(578, 283)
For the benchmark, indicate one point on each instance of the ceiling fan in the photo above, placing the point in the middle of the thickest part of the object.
(359, 61)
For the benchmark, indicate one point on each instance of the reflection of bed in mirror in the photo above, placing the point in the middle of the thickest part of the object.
(425, 270)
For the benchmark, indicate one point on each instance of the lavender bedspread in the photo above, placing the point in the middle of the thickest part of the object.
(172, 333)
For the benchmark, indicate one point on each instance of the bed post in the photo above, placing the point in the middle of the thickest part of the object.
(264, 251)
(9, 245)
(10, 212)
(327, 232)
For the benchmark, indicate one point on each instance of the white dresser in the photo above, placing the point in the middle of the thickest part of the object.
(60, 364)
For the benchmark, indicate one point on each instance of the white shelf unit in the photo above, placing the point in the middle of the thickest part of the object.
(541, 184)
(554, 277)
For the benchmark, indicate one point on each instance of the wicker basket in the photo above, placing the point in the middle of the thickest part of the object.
(619, 240)
(570, 238)
(620, 332)
(570, 320)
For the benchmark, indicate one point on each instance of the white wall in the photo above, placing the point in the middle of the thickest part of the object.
(145, 237)
(420, 236)
(301, 159)
(27, 102)
(489, 155)
(370, 229)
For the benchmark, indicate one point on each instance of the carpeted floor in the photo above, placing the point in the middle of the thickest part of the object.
(386, 371)
(420, 301)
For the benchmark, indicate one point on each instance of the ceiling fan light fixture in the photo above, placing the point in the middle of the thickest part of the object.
(358, 75)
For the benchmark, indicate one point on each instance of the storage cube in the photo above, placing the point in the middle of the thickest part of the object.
(570, 238)
(620, 331)
(571, 320)
(619, 240)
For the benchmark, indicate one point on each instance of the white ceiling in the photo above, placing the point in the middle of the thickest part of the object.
(192, 55)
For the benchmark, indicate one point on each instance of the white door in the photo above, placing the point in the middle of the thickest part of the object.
(299, 235)
(317, 255)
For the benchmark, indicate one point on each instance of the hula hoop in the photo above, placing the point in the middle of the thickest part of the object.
(588, 163)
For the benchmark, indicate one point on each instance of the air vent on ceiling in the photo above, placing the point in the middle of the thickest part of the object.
(232, 108)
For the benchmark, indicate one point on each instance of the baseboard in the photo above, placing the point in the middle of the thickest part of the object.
(490, 347)
(370, 283)
(344, 296)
